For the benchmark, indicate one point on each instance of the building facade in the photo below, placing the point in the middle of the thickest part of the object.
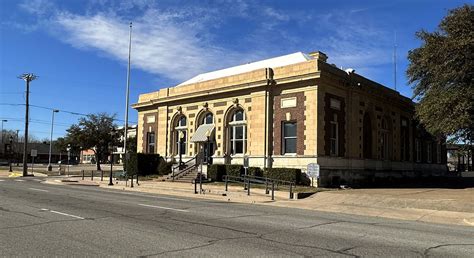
(290, 111)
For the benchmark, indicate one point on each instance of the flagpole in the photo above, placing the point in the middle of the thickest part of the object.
(127, 99)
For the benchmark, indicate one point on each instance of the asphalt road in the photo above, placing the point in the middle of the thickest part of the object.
(38, 219)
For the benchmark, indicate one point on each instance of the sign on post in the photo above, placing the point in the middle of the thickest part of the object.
(34, 153)
(313, 170)
(246, 161)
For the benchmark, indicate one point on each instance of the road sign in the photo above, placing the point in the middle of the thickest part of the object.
(246, 161)
(313, 170)
(34, 153)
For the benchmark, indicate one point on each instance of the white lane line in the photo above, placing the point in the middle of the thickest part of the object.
(36, 189)
(62, 213)
(161, 207)
(19, 180)
(1, 180)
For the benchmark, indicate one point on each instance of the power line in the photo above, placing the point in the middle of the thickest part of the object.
(60, 110)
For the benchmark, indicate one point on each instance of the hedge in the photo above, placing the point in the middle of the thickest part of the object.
(255, 171)
(215, 172)
(143, 164)
(287, 174)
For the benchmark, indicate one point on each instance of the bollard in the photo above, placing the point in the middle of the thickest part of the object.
(92, 175)
(137, 181)
(226, 182)
(248, 186)
(131, 182)
(273, 191)
(291, 191)
(195, 186)
(266, 186)
(83, 174)
(102, 175)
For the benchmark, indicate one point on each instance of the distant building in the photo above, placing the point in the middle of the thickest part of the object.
(88, 156)
(119, 151)
(15, 151)
(290, 111)
(460, 160)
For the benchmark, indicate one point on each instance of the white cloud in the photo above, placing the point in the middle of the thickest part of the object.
(161, 43)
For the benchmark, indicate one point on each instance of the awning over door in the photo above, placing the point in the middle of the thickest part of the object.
(203, 132)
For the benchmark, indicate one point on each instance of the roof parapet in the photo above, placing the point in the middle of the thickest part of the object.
(319, 56)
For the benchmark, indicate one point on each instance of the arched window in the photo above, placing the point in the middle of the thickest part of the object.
(208, 119)
(237, 133)
(181, 135)
(384, 140)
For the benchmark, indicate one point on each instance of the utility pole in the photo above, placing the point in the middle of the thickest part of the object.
(50, 167)
(126, 100)
(3, 120)
(27, 77)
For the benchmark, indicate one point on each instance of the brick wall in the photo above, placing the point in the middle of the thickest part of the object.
(296, 114)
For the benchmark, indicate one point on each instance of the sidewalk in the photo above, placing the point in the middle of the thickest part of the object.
(447, 206)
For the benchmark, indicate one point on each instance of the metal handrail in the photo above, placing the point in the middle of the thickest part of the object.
(247, 179)
(196, 160)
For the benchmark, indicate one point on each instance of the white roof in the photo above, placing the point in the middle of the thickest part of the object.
(294, 58)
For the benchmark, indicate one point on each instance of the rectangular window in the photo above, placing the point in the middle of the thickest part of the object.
(334, 139)
(429, 153)
(289, 138)
(151, 142)
(237, 139)
(418, 150)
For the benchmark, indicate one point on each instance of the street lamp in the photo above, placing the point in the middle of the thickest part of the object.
(181, 140)
(11, 153)
(3, 120)
(68, 157)
(111, 147)
(50, 168)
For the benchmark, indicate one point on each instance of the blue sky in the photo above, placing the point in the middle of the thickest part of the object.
(78, 48)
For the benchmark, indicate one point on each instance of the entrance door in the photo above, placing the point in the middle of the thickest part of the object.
(208, 150)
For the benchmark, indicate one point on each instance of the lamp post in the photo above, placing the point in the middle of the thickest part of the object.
(51, 140)
(181, 138)
(111, 147)
(3, 120)
(11, 153)
(68, 157)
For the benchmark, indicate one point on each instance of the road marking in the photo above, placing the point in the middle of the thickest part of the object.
(19, 180)
(37, 180)
(62, 213)
(36, 189)
(1, 180)
(161, 207)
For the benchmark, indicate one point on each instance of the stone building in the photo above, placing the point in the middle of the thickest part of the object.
(290, 111)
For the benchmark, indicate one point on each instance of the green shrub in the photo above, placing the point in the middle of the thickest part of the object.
(215, 172)
(132, 164)
(234, 170)
(143, 164)
(286, 174)
(255, 171)
(164, 168)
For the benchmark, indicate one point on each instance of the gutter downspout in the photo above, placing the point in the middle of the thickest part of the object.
(269, 77)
